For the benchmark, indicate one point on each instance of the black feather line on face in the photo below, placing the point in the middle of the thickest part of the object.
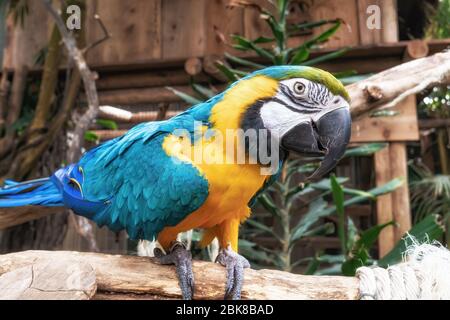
(305, 105)
(252, 120)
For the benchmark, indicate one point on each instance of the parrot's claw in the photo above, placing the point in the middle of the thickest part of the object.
(182, 259)
(235, 265)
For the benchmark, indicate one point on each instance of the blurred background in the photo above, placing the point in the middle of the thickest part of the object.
(155, 58)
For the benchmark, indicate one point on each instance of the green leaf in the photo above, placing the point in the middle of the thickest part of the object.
(107, 124)
(262, 227)
(301, 55)
(325, 184)
(267, 202)
(338, 198)
(365, 150)
(331, 259)
(277, 30)
(352, 234)
(343, 74)
(315, 212)
(370, 236)
(326, 57)
(249, 250)
(310, 25)
(245, 44)
(184, 96)
(321, 230)
(346, 80)
(244, 62)
(312, 267)
(262, 40)
(349, 266)
(282, 6)
(384, 113)
(430, 228)
(232, 77)
(91, 136)
(203, 91)
(326, 35)
(359, 254)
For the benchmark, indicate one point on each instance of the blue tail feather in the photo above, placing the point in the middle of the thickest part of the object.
(39, 192)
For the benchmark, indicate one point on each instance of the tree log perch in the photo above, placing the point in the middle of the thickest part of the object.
(75, 275)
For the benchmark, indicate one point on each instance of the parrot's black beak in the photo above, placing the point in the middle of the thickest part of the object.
(328, 136)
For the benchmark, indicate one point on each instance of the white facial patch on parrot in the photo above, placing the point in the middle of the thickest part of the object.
(279, 119)
(298, 101)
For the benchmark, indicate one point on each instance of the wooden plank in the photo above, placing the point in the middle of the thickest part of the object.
(386, 240)
(224, 21)
(388, 31)
(400, 197)
(183, 29)
(153, 78)
(402, 127)
(141, 96)
(366, 35)
(347, 35)
(389, 21)
(254, 26)
(134, 39)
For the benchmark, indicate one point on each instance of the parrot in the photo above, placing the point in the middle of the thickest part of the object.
(161, 178)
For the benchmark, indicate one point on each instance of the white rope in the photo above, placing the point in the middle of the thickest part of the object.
(424, 274)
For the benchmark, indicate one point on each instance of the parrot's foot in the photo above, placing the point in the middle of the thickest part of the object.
(235, 265)
(182, 259)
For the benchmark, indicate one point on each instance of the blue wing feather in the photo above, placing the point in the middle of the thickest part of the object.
(146, 189)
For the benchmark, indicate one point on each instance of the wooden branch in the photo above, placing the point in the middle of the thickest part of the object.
(142, 278)
(10, 217)
(88, 78)
(13, 107)
(391, 86)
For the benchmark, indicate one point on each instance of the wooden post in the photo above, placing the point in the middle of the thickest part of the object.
(386, 239)
(400, 197)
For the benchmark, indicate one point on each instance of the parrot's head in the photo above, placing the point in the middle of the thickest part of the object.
(305, 109)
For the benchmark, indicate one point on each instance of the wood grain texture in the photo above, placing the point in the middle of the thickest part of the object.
(401, 127)
(395, 81)
(348, 34)
(131, 275)
(222, 21)
(45, 279)
(183, 28)
(136, 38)
(386, 239)
(400, 197)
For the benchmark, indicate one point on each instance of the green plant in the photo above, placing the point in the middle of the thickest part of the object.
(439, 28)
(430, 194)
(356, 245)
(286, 196)
(273, 50)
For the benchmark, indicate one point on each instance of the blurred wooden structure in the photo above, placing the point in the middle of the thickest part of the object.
(169, 42)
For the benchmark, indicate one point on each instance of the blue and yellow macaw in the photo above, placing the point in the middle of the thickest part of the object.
(148, 182)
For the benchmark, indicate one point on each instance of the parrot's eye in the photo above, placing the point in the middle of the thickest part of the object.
(299, 88)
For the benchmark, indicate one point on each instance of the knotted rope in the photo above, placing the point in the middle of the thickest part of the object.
(424, 274)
